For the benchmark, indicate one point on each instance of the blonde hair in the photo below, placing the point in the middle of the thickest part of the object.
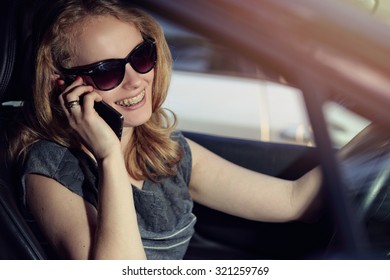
(151, 152)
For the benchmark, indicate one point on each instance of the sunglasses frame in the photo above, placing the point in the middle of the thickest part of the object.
(88, 70)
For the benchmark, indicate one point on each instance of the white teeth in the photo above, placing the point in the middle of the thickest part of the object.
(132, 101)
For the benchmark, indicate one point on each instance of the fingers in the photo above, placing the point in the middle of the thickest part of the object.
(73, 96)
(72, 104)
(77, 101)
(60, 83)
(89, 101)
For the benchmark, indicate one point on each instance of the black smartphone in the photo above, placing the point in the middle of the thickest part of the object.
(111, 116)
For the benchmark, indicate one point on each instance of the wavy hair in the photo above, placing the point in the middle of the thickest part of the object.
(151, 153)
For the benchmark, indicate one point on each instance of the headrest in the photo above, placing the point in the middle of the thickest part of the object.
(15, 49)
(7, 45)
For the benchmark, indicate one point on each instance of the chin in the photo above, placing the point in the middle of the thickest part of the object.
(136, 119)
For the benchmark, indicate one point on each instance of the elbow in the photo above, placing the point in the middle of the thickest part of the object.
(309, 211)
(306, 198)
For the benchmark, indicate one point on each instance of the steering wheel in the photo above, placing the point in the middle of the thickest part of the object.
(369, 154)
(370, 147)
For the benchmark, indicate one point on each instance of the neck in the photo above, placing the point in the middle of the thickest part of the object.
(127, 133)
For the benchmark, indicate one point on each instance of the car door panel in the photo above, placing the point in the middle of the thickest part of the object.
(222, 236)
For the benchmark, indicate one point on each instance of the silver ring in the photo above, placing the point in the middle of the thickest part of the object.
(72, 104)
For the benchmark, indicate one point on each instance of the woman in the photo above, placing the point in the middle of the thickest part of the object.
(94, 196)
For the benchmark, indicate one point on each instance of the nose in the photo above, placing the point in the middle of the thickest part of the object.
(132, 79)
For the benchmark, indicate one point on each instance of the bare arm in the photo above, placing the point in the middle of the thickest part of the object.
(76, 229)
(117, 234)
(227, 187)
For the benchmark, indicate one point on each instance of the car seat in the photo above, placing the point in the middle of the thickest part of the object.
(16, 238)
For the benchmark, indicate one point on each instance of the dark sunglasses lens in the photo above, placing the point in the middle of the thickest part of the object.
(109, 75)
(144, 58)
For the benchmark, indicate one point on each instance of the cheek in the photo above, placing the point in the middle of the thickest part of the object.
(149, 77)
(150, 81)
(104, 94)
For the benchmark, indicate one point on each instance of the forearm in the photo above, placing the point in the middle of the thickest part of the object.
(117, 233)
(305, 195)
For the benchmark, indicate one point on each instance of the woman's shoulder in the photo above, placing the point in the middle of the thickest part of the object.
(185, 165)
(178, 136)
(52, 159)
(45, 151)
(70, 167)
(46, 148)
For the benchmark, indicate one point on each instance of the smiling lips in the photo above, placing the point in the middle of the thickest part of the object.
(131, 101)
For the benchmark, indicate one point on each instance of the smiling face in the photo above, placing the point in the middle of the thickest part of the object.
(104, 38)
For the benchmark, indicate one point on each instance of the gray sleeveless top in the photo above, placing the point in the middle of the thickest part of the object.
(164, 209)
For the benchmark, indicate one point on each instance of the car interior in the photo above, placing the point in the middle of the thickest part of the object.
(217, 235)
(16, 239)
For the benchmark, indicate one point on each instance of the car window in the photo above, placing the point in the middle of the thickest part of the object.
(343, 124)
(195, 53)
(219, 92)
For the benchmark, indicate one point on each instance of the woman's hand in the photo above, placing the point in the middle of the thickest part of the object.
(77, 101)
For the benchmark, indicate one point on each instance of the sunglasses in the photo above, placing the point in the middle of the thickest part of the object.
(108, 74)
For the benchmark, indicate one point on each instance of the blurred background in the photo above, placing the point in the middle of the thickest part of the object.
(209, 82)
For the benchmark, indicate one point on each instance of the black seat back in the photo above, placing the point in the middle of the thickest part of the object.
(16, 238)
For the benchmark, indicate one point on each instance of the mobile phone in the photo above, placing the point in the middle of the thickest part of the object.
(111, 116)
